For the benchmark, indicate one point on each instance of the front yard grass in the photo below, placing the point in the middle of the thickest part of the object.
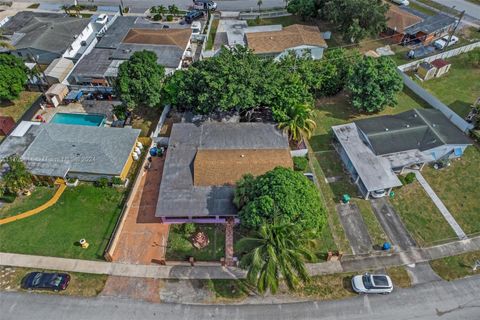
(327, 287)
(457, 187)
(17, 107)
(420, 215)
(374, 228)
(180, 247)
(82, 212)
(227, 290)
(400, 277)
(39, 196)
(459, 88)
(456, 267)
(81, 284)
(212, 34)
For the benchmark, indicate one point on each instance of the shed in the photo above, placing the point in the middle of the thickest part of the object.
(6, 125)
(56, 93)
(442, 66)
(426, 71)
(58, 70)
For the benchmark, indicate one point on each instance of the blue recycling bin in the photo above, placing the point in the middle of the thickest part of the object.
(386, 246)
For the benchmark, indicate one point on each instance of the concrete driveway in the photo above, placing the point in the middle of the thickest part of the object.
(391, 224)
(355, 228)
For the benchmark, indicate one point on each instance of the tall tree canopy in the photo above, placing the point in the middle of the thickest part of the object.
(16, 177)
(13, 76)
(356, 19)
(235, 80)
(374, 84)
(140, 80)
(303, 8)
(281, 193)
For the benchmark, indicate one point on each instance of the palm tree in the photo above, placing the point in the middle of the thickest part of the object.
(173, 10)
(161, 10)
(278, 251)
(259, 4)
(5, 44)
(300, 122)
(66, 8)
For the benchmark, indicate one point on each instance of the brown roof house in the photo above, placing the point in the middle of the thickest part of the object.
(204, 162)
(6, 125)
(398, 20)
(275, 41)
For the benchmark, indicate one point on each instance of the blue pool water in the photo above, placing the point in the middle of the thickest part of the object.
(95, 120)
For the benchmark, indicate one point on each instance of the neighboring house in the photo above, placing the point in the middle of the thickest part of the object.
(204, 162)
(278, 41)
(430, 29)
(398, 20)
(374, 149)
(124, 37)
(48, 36)
(58, 70)
(84, 152)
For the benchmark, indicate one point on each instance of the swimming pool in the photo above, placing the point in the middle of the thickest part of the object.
(80, 119)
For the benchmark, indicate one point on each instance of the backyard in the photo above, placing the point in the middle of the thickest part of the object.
(459, 88)
(17, 107)
(457, 187)
(85, 211)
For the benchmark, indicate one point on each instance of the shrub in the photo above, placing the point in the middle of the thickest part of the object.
(170, 17)
(157, 17)
(300, 163)
(410, 177)
(402, 179)
(189, 228)
(102, 183)
(120, 111)
(117, 180)
(71, 180)
(8, 197)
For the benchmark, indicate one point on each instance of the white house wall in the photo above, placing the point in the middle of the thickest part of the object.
(76, 44)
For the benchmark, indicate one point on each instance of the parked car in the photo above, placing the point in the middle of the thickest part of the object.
(102, 19)
(205, 5)
(196, 28)
(372, 283)
(379, 193)
(309, 176)
(193, 15)
(443, 42)
(46, 281)
(401, 2)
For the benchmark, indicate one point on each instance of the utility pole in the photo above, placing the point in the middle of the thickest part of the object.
(454, 28)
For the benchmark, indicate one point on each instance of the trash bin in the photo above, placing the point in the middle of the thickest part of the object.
(386, 246)
(345, 198)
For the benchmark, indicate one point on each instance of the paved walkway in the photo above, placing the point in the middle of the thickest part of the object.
(215, 271)
(439, 204)
(39, 209)
(355, 228)
(143, 238)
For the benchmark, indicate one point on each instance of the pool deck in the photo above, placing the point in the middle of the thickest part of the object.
(86, 106)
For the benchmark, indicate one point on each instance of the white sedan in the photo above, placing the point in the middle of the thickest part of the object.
(401, 2)
(372, 283)
(443, 42)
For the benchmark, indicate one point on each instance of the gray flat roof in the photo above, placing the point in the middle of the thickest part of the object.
(375, 172)
(94, 64)
(431, 24)
(55, 149)
(178, 197)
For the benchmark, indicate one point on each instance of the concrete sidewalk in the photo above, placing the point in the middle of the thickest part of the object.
(215, 271)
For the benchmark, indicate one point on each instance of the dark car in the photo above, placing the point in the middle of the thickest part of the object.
(193, 15)
(46, 281)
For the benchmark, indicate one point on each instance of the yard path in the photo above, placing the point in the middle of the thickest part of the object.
(439, 204)
(355, 228)
(39, 209)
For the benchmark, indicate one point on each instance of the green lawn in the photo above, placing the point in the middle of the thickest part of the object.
(399, 277)
(421, 217)
(439, 6)
(284, 21)
(17, 107)
(180, 247)
(337, 110)
(81, 284)
(456, 267)
(422, 9)
(474, 2)
(39, 196)
(457, 187)
(228, 290)
(459, 88)
(212, 34)
(82, 212)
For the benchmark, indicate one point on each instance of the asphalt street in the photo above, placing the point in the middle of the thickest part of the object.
(225, 5)
(438, 300)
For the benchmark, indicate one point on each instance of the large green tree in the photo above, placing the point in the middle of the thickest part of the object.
(281, 193)
(140, 80)
(303, 8)
(13, 76)
(277, 252)
(16, 177)
(374, 84)
(235, 80)
(356, 19)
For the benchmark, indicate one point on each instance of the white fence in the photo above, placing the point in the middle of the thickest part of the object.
(443, 55)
